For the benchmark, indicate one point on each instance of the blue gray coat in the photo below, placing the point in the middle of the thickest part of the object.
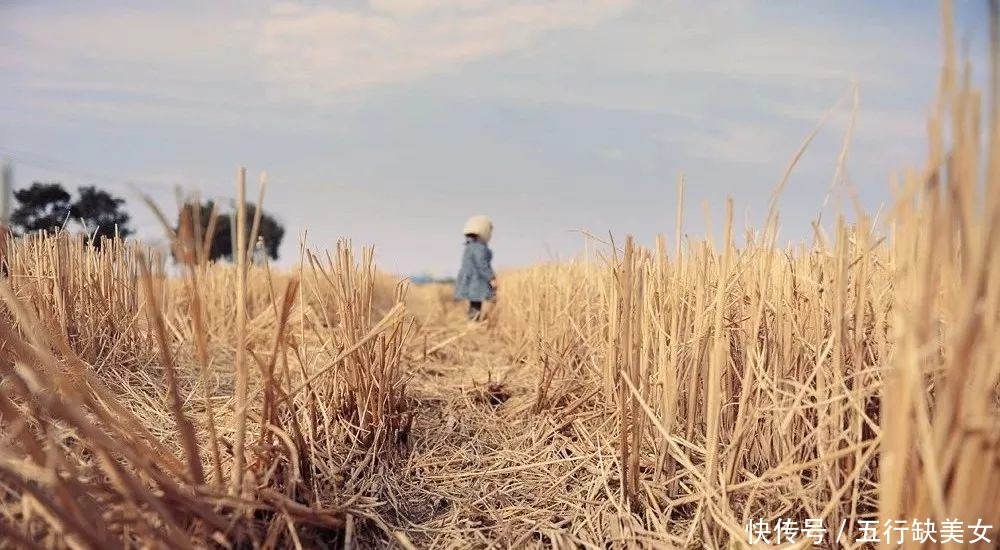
(473, 282)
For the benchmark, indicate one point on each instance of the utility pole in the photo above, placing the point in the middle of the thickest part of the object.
(6, 185)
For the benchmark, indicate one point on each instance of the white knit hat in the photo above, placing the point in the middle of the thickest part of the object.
(481, 226)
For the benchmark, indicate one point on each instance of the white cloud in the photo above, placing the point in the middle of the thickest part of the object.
(321, 53)
(286, 51)
(736, 142)
(314, 55)
(409, 7)
(885, 123)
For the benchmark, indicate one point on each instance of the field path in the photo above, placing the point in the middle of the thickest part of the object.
(483, 470)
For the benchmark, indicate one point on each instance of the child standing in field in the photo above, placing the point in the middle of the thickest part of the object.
(476, 281)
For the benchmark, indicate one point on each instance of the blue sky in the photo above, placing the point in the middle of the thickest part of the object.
(391, 121)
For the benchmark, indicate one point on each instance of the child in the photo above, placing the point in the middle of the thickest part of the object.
(476, 281)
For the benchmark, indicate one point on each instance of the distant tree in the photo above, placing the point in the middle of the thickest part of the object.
(48, 207)
(41, 207)
(101, 213)
(271, 231)
(220, 245)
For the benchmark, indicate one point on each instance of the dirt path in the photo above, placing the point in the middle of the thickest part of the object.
(484, 471)
(468, 479)
(449, 492)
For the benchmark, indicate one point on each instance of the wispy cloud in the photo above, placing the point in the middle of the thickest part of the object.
(734, 143)
(262, 56)
(885, 122)
(320, 53)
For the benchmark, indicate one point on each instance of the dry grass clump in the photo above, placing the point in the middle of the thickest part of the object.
(87, 295)
(365, 351)
(232, 439)
(743, 382)
(550, 313)
(940, 455)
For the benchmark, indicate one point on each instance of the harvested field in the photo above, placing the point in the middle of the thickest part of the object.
(633, 397)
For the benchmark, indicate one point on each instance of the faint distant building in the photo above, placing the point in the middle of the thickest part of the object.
(422, 279)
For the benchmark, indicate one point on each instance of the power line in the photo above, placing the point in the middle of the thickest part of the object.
(135, 187)
(51, 164)
(28, 158)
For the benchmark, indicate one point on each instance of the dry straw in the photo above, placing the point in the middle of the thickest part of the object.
(656, 397)
(131, 371)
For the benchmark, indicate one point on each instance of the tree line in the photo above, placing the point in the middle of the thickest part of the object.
(48, 207)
